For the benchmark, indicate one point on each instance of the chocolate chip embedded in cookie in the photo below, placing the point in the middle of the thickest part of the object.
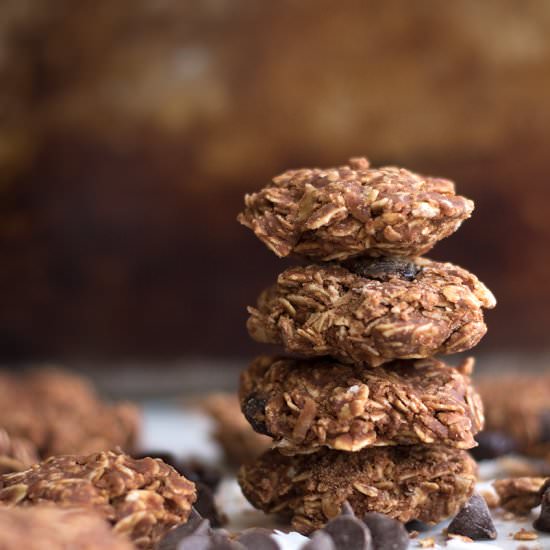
(307, 404)
(142, 499)
(370, 317)
(427, 483)
(48, 527)
(338, 213)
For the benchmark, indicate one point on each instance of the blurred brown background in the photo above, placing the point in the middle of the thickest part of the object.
(130, 129)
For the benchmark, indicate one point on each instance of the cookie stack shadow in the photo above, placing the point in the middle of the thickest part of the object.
(360, 410)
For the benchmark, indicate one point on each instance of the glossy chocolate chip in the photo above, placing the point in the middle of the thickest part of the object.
(492, 444)
(387, 533)
(254, 411)
(348, 532)
(383, 268)
(195, 525)
(474, 520)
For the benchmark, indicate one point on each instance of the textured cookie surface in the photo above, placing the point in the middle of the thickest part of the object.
(424, 483)
(373, 311)
(46, 527)
(142, 499)
(338, 213)
(306, 404)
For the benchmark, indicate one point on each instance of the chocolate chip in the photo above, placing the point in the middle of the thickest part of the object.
(474, 520)
(387, 533)
(542, 523)
(195, 525)
(348, 532)
(415, 525)
(319, 541)
(493, 444)
(258, 539)
(254, 411)
(206, 505)
(384, 268)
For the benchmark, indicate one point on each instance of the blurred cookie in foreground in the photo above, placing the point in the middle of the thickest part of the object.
(61, 413)
(372, 311)
(48, 527)
(239, 441)
(337, 213)
(517, 414)
(142, 499)
(427, 483)
(305, 404)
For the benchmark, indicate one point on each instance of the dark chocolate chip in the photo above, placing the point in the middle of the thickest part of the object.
(542, 523)
(195, 525)
(254, 411)
(206, 505)
(319, 541)
(493, 444)
(197, 470)
(387, 533)
(383, 269)
(348, 532)
(474, 520)
(258, 539)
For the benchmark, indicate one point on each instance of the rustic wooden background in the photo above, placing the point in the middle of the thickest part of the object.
(129, 131)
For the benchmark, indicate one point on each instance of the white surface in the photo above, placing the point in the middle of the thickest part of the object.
(187, 434)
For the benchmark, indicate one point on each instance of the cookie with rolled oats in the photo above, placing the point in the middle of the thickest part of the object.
(372, 311)
(305, 404)
(142, 499)
(338, 213)
(426, 483)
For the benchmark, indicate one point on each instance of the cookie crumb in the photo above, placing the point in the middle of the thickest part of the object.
(426, 543)
(523, 534)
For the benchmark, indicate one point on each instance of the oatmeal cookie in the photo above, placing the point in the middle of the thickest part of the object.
(240, 443)
(519, 407)
(142, 499)
(60, 413)
(424, 483)
(305, 404)
(371, 311)
(338, 213)
(48, 527)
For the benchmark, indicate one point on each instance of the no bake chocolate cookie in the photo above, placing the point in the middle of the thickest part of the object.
(518, 407)
(371, 311)
(306, 404)
(142, 499)
(60, 413)
(424, 483)
(44, 527)
(337, 213)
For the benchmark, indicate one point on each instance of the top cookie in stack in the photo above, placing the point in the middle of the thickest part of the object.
(353, 210)
(390, 439)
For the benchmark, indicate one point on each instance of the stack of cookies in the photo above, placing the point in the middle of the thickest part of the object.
(362, 411)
